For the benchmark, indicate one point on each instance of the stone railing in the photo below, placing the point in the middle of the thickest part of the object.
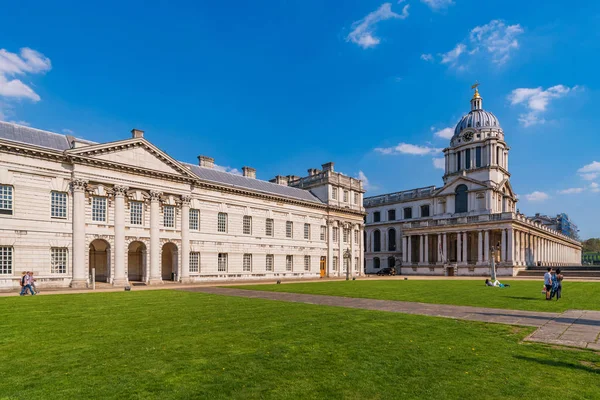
(399, 196)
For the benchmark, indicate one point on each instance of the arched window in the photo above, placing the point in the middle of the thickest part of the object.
(392, 239)
(376, 263)
(461, 199)
(377, 240)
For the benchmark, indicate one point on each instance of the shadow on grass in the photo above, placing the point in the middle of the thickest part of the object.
(560, 364)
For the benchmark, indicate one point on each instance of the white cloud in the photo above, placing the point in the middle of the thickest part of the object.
(366, 184)
(594, 187)
(234, 171)
(537, 196)
(590, 171)
(426, 57)
(536, 100)
(28, 61)
(68, 131)
(436, 5)
(405, 148)
(363, 31)
(571, 191)
(439, 163)
(452, 56)
(445, 133)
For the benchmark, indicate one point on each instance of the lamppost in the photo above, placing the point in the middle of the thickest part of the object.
(493, 260)
(348, 255)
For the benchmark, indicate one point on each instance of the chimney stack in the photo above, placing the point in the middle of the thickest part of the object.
(137, 133)
(249, 172)
(327, 166)
(205, 161)
(280, 180)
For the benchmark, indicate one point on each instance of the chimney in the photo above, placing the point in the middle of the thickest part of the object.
(327, 166)
(280, 180)
(137, 133)
(249, 172)
(205, 161)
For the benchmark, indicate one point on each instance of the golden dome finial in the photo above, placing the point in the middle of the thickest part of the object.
(476, 94)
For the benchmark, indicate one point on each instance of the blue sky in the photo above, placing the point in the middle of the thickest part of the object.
(285, 86)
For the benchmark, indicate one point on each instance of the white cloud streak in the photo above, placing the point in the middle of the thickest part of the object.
(28, 61)
(437, 5)
(445, 133)
(537, 100)
(536, 196)
(439, 163)
(426, 57)
(234, 171)
(594, 187)
(405, 148)
(590, 171)
(366, 184)
(363, 30)
(571, 191)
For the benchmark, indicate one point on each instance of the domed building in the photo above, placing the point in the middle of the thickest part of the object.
(460, 228)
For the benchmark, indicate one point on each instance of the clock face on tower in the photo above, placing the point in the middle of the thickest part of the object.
(467, 137)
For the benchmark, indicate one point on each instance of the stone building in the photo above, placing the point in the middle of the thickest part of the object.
(458, 228)
(131, 213)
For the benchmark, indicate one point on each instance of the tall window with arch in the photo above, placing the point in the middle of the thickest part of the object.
(377, 240)
(461, 199)
(391, 239)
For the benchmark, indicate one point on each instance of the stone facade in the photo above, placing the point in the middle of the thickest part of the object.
(128, 212)
(459, 228)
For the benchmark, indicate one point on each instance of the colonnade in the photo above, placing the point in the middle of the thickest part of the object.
(340, 252)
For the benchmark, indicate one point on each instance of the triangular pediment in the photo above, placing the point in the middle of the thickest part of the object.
(450, 187)
(506, 188)
(136, 153)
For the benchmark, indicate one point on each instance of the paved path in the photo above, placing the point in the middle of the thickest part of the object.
(572, 328)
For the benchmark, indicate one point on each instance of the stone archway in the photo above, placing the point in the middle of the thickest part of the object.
(169, 262)
(99, 260)
(136, 262)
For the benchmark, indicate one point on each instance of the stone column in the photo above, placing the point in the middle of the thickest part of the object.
(120, 278)
(341, 227)
(486, 247)
(445, 248)
(330, 246)
(404, 250)
(465, 258)
(155, 251)
(409, 252)
(510, 247)
(361, 250)
(79, 271)
(479, 247)
(421, 249)
(459, 247)
(426, 249)
(185, 238)
(503, 246)
(438, 250)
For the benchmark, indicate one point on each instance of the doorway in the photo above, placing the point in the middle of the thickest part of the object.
(323, 267)
(169, 262)
(136, 262)
(99, 260)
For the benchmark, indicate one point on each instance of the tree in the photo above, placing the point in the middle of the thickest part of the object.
(591, 245)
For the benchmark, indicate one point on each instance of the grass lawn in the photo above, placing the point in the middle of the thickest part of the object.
(182, 345)
(521, 295)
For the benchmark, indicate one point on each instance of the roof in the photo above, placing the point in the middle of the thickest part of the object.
(229, 179)
(56, 141)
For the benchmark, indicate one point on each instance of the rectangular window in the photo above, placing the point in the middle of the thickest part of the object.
(355, 198)
(391, 215)
(269, 227)
(346, 264)
(307, 263)
(408, 213)
(345, 196)
(468, 159)
(356, 236)
(269, 263)
(136, 212)
(99, 209)
(222, 262)
(356, 264)
(58, 260)
(335, 263)
(335, 234)
(247, 225)
(478, 157)
(222, 223)
(307, 231)
(323, 235)
(289, 263)
(6, 199)
(425, 210)
(334, 193)
(289, 229)
(58, 205)
(6, 260)
(247, 264)
(346, 234)
(194, 261)
(169, 216)
(458, 164)
(376, 216)
(194, 219)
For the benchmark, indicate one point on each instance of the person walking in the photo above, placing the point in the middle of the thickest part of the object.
(32, 282)
(25, 284)
(559, 279)
(548, 283)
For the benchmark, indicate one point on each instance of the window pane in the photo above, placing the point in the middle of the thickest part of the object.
(391, 215)
(136, 212)
(222, 266)
(269, 264)
(6, 199)
(335, 263)
(467, 158)
(289, 263)
(169, 216)
(194, 219)
(99, 209)
(346, 234)
(289, 229)
(247, 264)
(408, 213)
(345, 196)
(6, 260)
(59, 205)
(306, 231)
(334, 192)
(194, 262)
(323, 232)
(355, 198)
(307, 263)
(376, 216)
(269, 227)
(335, 234)
(58, 260)
(247, 225)
(478, 157)
(222, 222)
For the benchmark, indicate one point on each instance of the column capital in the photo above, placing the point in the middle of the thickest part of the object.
(155, 195)
(119, 190)
(78, 185)
(186, 199)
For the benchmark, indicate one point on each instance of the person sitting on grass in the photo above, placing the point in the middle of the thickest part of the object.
(495, 283)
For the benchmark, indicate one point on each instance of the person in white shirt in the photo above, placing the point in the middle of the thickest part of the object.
(548, 283)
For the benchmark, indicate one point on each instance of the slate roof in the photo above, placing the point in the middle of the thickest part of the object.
(56, 141)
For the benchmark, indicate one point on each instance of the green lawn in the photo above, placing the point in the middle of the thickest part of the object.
(170, 344)
(521, 295)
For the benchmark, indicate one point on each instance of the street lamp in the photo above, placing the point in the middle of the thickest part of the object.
(493, 260)
(348, 255)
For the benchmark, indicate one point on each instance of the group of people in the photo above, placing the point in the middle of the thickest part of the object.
(553, 283)
(28, 283)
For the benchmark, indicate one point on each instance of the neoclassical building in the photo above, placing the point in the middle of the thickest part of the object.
(458, 228)
(128, 212)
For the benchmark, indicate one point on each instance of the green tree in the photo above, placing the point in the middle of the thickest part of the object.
(591, 245)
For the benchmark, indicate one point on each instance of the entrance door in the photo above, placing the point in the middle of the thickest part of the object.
(323, 267)
(99, 260)
(450, 271)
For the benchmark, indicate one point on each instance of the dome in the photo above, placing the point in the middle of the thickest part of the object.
(477, 119)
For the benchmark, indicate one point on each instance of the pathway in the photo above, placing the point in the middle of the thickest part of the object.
(572, 328)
